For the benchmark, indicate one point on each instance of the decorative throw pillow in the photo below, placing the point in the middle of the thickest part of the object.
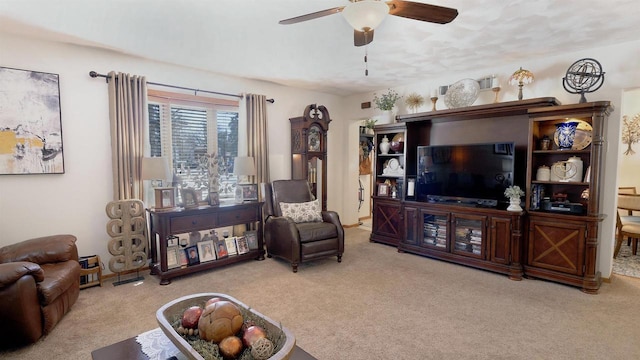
(302, 212)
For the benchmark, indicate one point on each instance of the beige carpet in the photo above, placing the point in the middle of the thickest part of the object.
(378, 304)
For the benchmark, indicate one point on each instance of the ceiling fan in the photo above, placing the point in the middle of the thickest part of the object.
(365, 15)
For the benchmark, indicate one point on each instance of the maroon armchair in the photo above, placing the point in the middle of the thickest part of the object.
(39, 282)
(297, 239)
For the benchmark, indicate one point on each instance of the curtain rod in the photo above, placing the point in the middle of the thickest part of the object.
(94, 74)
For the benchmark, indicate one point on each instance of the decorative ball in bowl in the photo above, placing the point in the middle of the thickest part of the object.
(249, 334)
(462, 93)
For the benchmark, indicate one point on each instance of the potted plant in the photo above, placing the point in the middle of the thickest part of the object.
(514, 193)
(368, 126)
(386, 101)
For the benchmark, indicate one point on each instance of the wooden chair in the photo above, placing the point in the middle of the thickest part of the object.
(627, 226)
(627, 190)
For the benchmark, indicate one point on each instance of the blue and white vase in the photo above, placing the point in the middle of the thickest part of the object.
(566, 133)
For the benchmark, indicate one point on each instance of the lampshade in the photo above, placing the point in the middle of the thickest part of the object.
(244, 166)
(366, 14)
(155, 168)
(521, 75)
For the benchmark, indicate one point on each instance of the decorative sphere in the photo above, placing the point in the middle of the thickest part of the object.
(397, 143)
(230, 347)
(191, 316)
(219, 320)
(262, 349)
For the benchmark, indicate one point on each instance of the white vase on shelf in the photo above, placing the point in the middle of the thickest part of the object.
(514, 204)
(388, 116)
(384, 145)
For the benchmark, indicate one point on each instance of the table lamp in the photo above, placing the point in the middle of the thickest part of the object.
(521, 77)
(157, 170)
(243, 167)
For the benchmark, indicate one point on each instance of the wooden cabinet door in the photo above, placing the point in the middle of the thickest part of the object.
(411, 230)
(557, 246)
(387, 226)
(500, 240)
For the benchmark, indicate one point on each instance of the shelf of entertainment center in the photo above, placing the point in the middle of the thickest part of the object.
(572, 183)
(555, 152)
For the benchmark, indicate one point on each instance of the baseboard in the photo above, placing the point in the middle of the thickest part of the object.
(111, 275)
(350, 225)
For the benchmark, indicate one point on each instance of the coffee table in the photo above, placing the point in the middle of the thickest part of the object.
(129, 349)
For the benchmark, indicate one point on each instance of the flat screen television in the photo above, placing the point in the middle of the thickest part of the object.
(470, 174)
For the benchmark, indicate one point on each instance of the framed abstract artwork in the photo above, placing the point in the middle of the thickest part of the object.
(30, 123)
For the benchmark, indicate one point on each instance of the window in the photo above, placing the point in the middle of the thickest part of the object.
(189, 132)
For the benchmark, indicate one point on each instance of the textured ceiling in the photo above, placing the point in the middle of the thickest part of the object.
(243, 37)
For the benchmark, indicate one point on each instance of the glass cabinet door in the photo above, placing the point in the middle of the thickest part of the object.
(435, 230)
(469, 235)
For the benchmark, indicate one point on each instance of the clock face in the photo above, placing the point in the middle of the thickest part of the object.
(314, 139)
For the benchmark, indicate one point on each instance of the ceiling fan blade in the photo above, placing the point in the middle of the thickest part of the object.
(362, 38)
(422, 12)
(311, 16)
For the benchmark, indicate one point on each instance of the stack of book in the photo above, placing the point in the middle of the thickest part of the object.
(537, 194)
(475, 238)
(435, 232)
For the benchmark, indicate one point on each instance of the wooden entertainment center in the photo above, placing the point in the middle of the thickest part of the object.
(556, 242)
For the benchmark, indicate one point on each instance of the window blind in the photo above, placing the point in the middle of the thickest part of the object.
(186, 134)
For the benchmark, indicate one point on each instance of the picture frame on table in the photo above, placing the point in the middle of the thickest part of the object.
(172, 241)
(231, 245)
(214, 198)
(249, 192)
(206, 251)
(383, 189)
(252, 239)
(165, 198)
(189, 198)
(221, 249)
(173, 257)
(192, 255)
(182, 256)
(242, 245)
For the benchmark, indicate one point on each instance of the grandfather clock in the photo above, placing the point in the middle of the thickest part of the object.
(309, 149)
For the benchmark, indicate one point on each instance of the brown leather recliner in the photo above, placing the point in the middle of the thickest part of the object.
(39, 282)
(298, 242)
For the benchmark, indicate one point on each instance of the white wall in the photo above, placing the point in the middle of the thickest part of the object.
(622, 72)
(74, 202)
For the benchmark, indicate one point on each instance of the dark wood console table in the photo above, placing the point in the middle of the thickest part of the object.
(165, 223)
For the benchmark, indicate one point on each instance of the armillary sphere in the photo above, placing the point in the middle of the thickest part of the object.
(583, 76)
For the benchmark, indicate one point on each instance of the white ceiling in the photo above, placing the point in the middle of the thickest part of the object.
(243, 37)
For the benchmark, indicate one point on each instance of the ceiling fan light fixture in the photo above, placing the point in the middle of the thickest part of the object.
(365, 15)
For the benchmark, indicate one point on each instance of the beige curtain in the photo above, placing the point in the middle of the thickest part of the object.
(258, 141)
(127, 114)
